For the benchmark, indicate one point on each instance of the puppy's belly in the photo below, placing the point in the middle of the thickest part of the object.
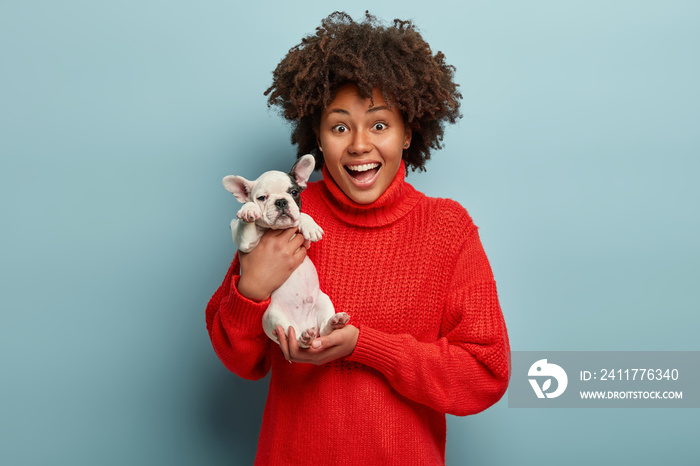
(297, 296)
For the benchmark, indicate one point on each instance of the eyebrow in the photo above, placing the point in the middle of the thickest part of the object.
(345, 112)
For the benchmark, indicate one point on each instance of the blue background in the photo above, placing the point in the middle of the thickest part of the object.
(577, 157)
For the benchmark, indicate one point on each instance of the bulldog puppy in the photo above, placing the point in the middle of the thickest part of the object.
(273, 201)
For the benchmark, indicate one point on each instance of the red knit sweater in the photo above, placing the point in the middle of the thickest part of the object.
(411, 272)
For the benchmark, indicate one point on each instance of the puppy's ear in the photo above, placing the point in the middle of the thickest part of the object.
(301, 171)
(239, 186)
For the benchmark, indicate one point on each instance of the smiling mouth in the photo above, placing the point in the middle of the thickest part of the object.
(363, 173)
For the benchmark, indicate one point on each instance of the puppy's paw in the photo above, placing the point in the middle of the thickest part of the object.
(339, 320)
(250, 212)
(310, 229)
(307, 337)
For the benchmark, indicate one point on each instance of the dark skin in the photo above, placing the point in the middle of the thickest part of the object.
(338, 344)
(273, 260)
(269, 265)
(352, 130)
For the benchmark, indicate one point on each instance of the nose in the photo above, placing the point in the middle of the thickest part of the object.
(281, 204)
(360, 143)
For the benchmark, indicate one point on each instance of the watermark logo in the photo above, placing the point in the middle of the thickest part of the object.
(542, 368)
(604, 379)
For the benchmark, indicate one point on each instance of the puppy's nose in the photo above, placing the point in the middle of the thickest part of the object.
(281, 204)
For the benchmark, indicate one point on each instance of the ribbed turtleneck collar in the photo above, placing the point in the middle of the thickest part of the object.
(398, 199)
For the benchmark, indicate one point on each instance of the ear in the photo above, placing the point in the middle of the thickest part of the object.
(407, 134)
(301, 171)
(239, 186)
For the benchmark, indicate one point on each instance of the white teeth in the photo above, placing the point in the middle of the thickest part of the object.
(362, 168)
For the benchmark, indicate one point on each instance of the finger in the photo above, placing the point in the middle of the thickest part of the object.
(299, 254)
(283, 342)
(287, 233)
(297, 240)
(318, 344)
(293, 344)
(335, 338)
(271, 233)
(292, 241)
(324, 343)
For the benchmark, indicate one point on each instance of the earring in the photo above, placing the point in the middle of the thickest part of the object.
(320, 148)
(405, 146)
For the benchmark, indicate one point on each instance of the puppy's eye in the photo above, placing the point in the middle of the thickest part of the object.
(294, 192)
(262, 198)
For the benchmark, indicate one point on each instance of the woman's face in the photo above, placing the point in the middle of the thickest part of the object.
(362, 146)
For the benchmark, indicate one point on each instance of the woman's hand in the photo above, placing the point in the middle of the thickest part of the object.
(337, 344)
(273, 260)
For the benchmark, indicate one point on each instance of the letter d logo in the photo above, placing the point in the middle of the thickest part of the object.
(542, 369)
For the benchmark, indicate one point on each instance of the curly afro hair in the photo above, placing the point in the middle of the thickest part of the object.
(395, 59)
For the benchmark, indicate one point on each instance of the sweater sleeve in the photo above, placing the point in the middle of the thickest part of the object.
(234, 323)
(467, 369)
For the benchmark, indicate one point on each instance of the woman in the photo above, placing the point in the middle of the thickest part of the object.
(426, 335)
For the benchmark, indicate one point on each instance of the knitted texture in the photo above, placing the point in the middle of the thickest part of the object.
(411, 272)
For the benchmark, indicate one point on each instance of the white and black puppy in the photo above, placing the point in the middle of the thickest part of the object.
(273, 202)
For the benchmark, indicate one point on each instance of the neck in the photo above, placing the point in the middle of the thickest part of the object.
(398, 199)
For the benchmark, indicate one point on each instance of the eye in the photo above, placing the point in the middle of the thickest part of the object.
(380, 126)
(262, 198)
(294, 192)
(339, 128)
